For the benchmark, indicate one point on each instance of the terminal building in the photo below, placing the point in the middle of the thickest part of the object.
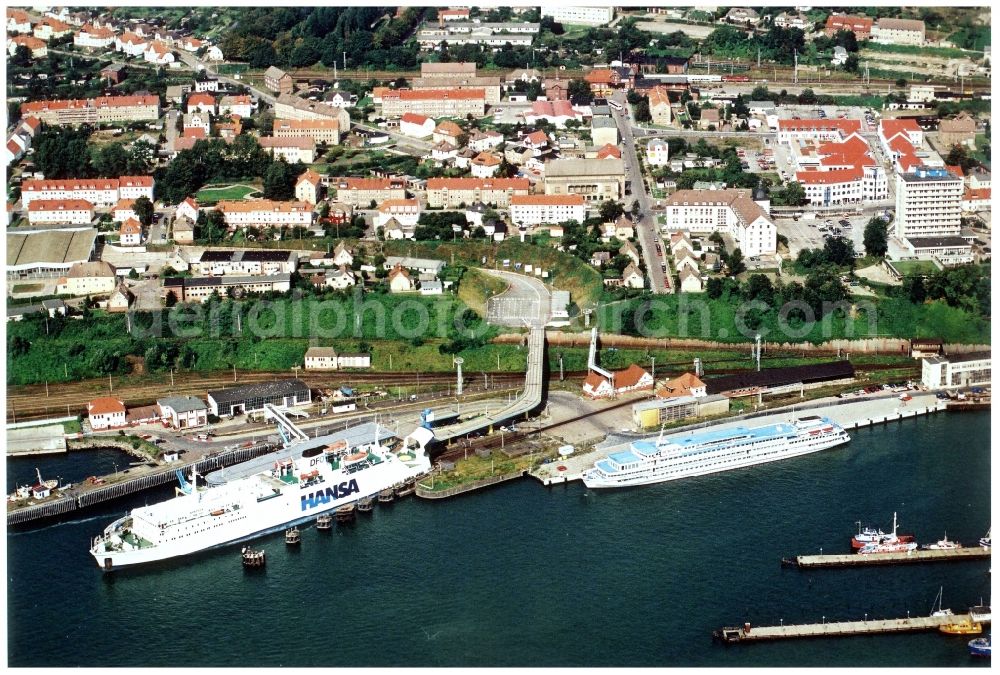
(956, 370)
(252, 397)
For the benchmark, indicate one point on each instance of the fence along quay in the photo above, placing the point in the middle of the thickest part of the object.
(131, 486)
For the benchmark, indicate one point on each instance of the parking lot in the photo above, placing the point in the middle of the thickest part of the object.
(804, 233)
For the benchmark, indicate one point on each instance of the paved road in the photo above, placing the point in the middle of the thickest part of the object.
(525, 303)
(646, 226)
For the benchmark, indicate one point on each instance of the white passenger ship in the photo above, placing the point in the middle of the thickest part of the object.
(697, 454)
(291, 491)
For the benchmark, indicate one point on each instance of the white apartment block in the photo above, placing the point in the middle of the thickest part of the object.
(587, 16)
(301, 149)
(97, 191)
(72, 211)
(434, 102)
(361, 192)
(266, 212)
(729, 211)
(928, 203)
(532, 210)
(899, 32)
(94, 110)
(451, 193)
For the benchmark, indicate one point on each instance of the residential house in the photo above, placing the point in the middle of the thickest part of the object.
(183, 230)
(485, 165)
(448, 131)
(187, 209)
(105, 412)
(297, 149)
(657, 152)
(130, 233)
(742, 15)
(236, 105)
(201, 102)
(400, 280)
(632, 277)
(158, 53)
(88, 278)
(405, 211)
(628, 249)
(121, 299)
(960, 130)
(342, 255)
(39, 48)
(416, 126)
(278, 80)
(659, 106)
(340, 278)
(308, 187)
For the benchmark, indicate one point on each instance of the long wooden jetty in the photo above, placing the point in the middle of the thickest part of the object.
(97, 494)
(857, 560)
(845, 628)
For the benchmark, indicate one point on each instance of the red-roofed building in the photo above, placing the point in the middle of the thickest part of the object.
(861, 26)
(39, 48)
(976, 200)
(201, 102)
(817, 130)
(130, 233)
(839, 172)
(457, 14)
(685, 385)
(308, 187)
(533, 210)
(447, 131)
(416, 126)
(449, 193)
(18, 21)
(633, 378)
(49, 28)
(106, 412)
(555, 112)
(609, 151)
(90, 37)
(71, 211)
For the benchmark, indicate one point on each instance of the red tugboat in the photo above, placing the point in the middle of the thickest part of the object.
(868, 536)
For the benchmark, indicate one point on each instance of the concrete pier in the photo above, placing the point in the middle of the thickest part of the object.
(857, 560)
(750, 633)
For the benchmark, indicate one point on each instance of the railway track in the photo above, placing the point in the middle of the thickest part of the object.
(37, 401)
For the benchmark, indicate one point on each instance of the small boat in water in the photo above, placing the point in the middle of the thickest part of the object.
(345, 513)
(890, 547)
(965, 626)
(942, 545)
(366, 504)
(985, 541)
(980, 646)
(869, 535)
(293, 537)
(324, 522)
(252, 558)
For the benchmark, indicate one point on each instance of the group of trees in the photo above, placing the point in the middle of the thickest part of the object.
(837, 252)
(301, 37)
(65, 152)
(438, 225)
(876, 239)
(215, 160)
(821, 291)
(777, 44)
(966, 287)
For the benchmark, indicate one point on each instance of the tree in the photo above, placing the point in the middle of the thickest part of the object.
(170, 299)
(279, 181)
(610, 210)
(913, 288)
(734, 261)
(758, 287)
(846, 39)
(213, 229)
(111, 161)
(642, 113)
(876, 238)
(143, 208)
(578, 88)
(851, 64)
(714, 287)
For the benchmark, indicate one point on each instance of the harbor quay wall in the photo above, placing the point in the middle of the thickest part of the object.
(123, 443)
(87, 495)
(865, 346)
(468, 487)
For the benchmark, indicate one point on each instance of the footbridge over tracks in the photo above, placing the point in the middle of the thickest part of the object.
(290, 433)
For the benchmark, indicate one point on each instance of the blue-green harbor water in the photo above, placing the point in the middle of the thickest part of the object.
(523, 575)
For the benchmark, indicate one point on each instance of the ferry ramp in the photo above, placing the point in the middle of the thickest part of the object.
(289, 432)
(529, 399)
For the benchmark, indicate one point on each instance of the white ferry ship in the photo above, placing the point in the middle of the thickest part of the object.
(288, 491)
(697, 454)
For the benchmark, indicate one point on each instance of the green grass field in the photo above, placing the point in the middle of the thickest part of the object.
(210, 195)
(909, 268)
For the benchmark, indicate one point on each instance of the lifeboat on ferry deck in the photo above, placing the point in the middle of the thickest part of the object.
(356, 457)
(218, 512)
